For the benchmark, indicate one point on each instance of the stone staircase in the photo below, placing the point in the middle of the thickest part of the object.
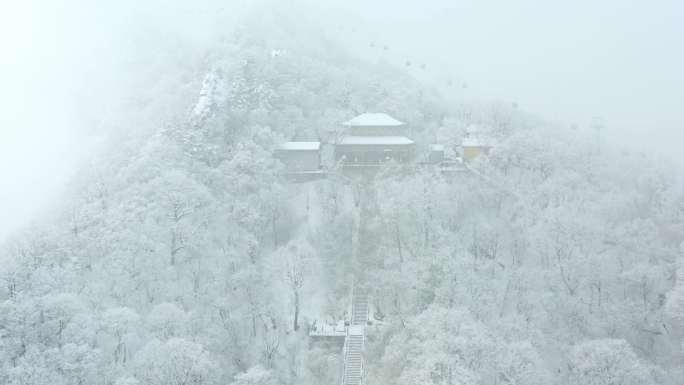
(353, 356)
(359, 313)
(353, 343)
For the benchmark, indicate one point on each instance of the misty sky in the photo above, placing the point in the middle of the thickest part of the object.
(565, 60)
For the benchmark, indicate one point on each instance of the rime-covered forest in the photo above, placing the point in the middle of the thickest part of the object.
(183, 255)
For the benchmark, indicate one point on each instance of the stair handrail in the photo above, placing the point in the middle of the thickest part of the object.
(344, 357)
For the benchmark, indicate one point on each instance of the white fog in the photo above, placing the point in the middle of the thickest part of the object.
(341, 191)
(568, 62)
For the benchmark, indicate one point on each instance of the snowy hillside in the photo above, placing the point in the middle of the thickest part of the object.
(184, 256)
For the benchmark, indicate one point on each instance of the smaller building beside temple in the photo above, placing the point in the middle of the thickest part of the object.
(300, 156)
(476, 142)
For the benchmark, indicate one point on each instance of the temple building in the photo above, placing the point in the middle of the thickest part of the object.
(477, 141)
(436, 154)
(300, 156)
(372, 139)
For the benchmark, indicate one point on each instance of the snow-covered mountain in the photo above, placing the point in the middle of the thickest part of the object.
(182, 256)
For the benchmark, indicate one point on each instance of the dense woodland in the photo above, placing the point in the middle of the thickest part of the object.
(181, 256)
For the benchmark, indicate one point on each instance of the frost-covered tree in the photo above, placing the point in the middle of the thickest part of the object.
(606, 362)
(176, 361)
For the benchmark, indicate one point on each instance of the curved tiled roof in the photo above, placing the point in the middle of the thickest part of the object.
(373, 119)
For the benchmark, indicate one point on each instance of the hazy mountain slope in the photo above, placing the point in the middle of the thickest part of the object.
(551, 250)
(160, 248)
(174, 257)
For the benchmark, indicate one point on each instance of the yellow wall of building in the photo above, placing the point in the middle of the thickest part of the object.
(470, 153)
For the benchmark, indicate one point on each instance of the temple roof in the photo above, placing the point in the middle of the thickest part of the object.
(376, 140)
(373, 119)
(476, 142)
(300, 146)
